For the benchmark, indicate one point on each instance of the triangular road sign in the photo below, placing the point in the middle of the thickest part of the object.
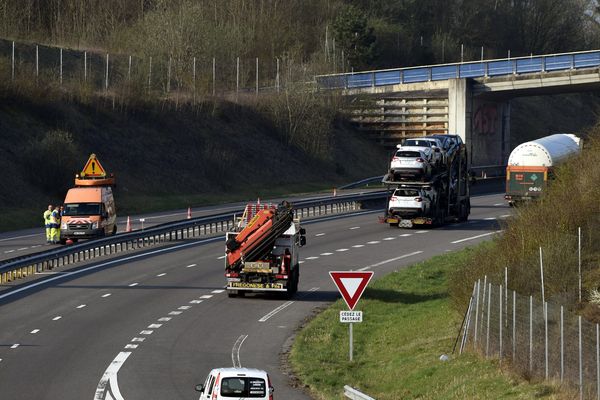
(93, 168)
(351, 284)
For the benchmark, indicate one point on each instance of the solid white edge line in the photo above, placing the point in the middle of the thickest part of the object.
(414, 253)
(475, 237)
(104, 264)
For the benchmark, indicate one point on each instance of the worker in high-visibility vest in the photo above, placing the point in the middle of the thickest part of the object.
(59, 221)
(48, 224)
(55, 221)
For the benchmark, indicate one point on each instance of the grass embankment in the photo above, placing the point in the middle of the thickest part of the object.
(408, 323)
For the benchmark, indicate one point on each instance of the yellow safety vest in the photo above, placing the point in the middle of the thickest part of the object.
(47, 215)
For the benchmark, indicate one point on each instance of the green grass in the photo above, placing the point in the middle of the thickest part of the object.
(408, 322)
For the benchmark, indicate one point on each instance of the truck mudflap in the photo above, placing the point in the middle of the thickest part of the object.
(406, 222)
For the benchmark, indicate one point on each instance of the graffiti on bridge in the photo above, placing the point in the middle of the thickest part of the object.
(486, 119)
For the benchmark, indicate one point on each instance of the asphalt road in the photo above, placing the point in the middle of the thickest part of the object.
(151, 325)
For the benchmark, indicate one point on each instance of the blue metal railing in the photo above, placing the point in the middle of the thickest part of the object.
(474, 69)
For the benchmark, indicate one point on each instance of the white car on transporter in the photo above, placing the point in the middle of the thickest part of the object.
(411, 162)
(435, 144)
(411, 201)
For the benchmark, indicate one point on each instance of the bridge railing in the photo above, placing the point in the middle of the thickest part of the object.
(472, 69)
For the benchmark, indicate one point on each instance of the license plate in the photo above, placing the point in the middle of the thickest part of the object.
(78, 233)
(406, 223)
(248, 285)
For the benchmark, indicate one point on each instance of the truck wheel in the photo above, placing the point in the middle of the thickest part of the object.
(394, 224)
(231, 293)
(114, 231)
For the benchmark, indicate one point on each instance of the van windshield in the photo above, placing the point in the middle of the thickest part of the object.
(82, 209)
(243, 387)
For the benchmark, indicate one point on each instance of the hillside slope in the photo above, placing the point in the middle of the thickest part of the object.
(162, 158)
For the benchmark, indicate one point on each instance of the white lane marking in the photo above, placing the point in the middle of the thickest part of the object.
(50, 273)
(14, 346)
(475, 237)
(218, 291)
(102, 265)
(326, 254)
(146, 332)
(389, 238)
(320, 234)
(405, 235)
(133, 284)
(175, 312)
(374, 242)
(8, 251)
(354, 227)
(108, 383)
(195, 301)
(235, 351)
(164, 319)
(154, 326)
(163, 274)
(311, 258)
(190, 266)
(414, 253)
(505, 216)
(56, 318)
(106, 295)
(206, 296)
(490, 218)
(300, 262)
(22, 248)
(37, 245)
(34, 331)
(422, 231)
(131, 346)
(275, 311)
(138, 339)
(80, 306)
(20, 237)
(184, 308)
(358, 246)
(499, 204)
(342, 250)
(220, 258)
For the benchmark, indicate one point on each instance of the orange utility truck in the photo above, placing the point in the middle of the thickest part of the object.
(90, 206)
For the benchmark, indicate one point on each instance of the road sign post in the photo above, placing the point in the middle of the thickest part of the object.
(351, 285)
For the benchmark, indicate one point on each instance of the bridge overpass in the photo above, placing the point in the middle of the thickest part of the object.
(471, 99)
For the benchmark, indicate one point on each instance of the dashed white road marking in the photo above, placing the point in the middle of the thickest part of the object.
(354, 227)
(499, 204)
(184, 308)
(374, 242)
(154, 326)
(37, 245)
(106, 295)
(475, 237)
(320, 234)
(108, 383)
(422, 231)
(235, 351)
(326, 254)
(22, 248)
(490, 218)
(34, 331)
(206, 296)
(9, 251)
(164, 319)
(56, 318)
(163, 274)
(405, 235)
(175, 312)
(276, 310)
(220, 258)
(131, 346)
(195, 301)
(80, 306)
(218, 291)
(138, 339)
(146, 332)
(133, 284)
(301, 262)
(190, 266)
(342, 250)
(358, 246)
(14, 346)
(389, 238)
(505, 216)
(414, 253)
(312, 258)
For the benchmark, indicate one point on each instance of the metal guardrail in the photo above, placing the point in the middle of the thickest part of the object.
(20, 267)
(472, 69)
(354, 394)
(363, 182)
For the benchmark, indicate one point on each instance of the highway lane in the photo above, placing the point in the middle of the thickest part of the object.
(164, 321)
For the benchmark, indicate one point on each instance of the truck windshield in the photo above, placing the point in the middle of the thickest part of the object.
(243, 387)
(82, 209)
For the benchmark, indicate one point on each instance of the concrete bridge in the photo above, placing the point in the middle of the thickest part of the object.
(469, 99)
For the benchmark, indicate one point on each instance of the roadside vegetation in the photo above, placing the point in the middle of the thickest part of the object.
(408, 323)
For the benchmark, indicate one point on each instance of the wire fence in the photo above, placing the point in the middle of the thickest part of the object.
(538, 339)
(198, 76)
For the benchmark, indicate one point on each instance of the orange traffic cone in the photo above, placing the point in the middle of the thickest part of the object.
(189, 216)
(128, 226)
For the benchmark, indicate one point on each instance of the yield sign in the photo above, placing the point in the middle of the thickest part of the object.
(351, 284)
(93, 168)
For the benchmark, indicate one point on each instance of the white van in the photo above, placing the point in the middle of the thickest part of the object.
(236, 383)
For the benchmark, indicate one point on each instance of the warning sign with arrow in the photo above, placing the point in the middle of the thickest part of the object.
(93, 168)
(351, 284)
